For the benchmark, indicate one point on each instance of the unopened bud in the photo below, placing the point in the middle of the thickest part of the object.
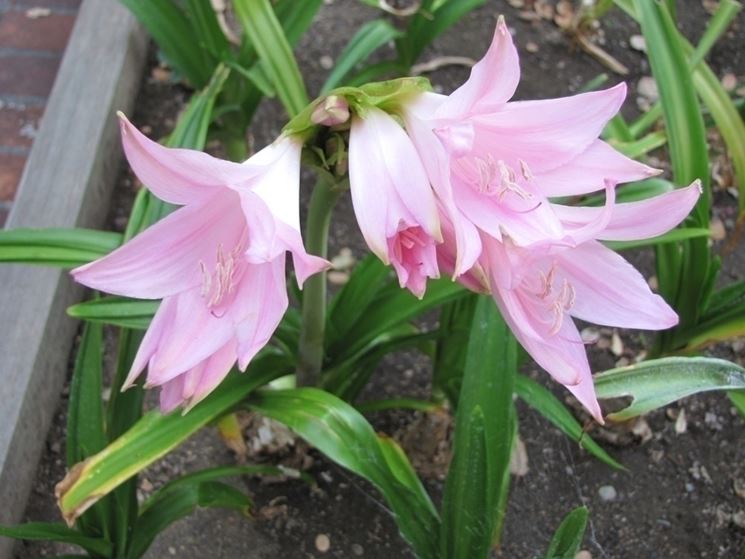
(331, 111)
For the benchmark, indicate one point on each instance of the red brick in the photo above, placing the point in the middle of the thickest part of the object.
(24, 75)
(18, 125)
(11, 168)
(48, 33)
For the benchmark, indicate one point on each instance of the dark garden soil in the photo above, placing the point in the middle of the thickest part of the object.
(683, 494)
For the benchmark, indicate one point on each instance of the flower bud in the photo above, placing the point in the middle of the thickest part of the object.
(331, 111)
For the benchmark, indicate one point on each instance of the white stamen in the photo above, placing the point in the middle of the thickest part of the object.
(525, 170)
(220, 282)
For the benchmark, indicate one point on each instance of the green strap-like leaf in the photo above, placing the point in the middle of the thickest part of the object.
(478, 478)
(174, 34)
(636, 149)
(658, 382)
(343, 434)
(119, 311)
(683, 276)
(44, 531)
(456, 319)
(65, 248)
(434, 17)
(85, 421)
(155, 435)
(738, 399)
(268, 39)
(210, 37)
(549, 406)
(370, 37)
(568, 537)
(349, 304)
(392, 307)
(672, 236)
(180, 502)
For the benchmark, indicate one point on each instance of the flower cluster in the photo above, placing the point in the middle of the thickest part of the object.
(465, 187)
(468, 191)
(218, 262)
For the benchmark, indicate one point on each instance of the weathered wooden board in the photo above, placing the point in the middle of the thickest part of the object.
(67, 182)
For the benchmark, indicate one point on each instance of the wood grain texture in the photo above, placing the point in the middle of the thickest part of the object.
(67, 182)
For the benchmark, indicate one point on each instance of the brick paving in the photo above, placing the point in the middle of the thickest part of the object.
(33, 36)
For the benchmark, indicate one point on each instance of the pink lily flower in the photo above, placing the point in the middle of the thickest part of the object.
(392, 198)
(495, 163)
(539, 288)
(218, 262)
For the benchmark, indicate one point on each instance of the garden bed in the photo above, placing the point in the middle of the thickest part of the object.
(683, 494)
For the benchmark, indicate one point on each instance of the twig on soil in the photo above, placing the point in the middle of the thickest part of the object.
(439, 62)
(601, 55)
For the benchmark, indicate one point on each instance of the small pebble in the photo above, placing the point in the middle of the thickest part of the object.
(323, 543)
(326, 62)
(530, 46)
(584, 554)
(729, 82)
(171, 550)
(637, 42)
(738, 486)
(689, 487)
(607, 493)
(357, 549)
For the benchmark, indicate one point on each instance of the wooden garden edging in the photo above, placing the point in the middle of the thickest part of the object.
(67, 182)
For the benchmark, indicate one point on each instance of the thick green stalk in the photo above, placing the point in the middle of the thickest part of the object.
(310, 354)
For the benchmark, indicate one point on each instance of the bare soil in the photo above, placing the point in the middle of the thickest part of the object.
(681, 495)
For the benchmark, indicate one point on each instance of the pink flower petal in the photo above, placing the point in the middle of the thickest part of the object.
(637, 220)
(388, 182)
(162, 321)
(436, 163)
(259, 305)
(212, 371)
(279, 183)
(179, 176)
(165, 259)
(610, 291)
(195, 333)
(546, 134)
(589, 170)
(493, 79)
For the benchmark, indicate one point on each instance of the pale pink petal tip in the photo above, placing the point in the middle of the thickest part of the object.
(502, 25)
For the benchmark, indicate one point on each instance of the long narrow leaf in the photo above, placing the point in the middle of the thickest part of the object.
(65, 248)
(658, 382)
(370, 37)
(484, 431)
(550, 407)
(568, 537)
(265, 32)
(434, 17)
(43, 531)
(342, 434)
(153, 436)
(179, 502)
(390, 308)
(456, 319)
(672, 236)
(119, 311)
(682, 276)
(174, 34)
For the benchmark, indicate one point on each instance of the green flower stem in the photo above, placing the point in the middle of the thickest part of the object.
(235, 148)
(310, 354)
